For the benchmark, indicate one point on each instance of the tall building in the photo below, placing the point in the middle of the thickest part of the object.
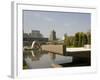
(52, 35)
(36, 34)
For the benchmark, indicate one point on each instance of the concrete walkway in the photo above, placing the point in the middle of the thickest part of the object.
(77, 49)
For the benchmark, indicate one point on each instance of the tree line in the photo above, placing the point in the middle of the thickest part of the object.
(78, 40)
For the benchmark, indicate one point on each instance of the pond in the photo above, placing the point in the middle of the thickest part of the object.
(40, 59)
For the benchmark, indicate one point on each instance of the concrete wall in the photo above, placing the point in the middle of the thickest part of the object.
(59, 49)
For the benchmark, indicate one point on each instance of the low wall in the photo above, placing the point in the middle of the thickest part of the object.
(59, 49)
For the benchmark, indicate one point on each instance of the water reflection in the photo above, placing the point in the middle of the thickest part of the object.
(41, 59)
(33, 54)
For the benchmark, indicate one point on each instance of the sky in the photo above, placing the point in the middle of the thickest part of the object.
(62, 22)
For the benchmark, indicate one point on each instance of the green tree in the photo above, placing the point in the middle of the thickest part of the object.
(71, 41)
(85, 39)
(68, 41)
(80, 39)
(76, 39)
(65, 39)
(89, 37)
